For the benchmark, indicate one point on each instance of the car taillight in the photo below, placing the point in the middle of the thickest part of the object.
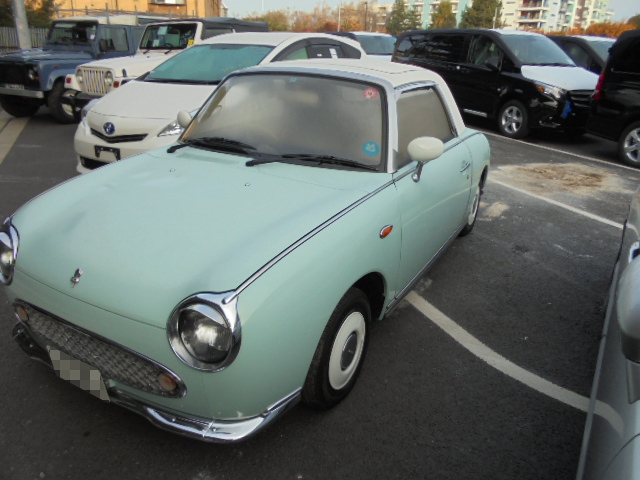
(598, 92)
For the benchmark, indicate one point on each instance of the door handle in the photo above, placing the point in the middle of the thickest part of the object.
(465, 167)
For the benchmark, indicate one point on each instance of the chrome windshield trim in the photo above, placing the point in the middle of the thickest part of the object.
(234, 295)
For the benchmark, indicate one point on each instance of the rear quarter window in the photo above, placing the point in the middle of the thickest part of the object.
(444, 47)
(629, 60)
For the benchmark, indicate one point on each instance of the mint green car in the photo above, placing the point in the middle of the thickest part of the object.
(211, 285)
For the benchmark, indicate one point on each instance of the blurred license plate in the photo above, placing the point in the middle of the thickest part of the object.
(115, 151)
(15, 86)
(79, 373)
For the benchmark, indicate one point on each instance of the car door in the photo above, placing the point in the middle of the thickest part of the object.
(434, 206)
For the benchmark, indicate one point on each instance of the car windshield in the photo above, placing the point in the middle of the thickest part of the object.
(601, 47)
(317, 121)
(377, 44)
(163, 37)
(76, 33)
(536, 50)
(207, 63)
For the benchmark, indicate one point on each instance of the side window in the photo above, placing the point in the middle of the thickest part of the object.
(420, 114)
(629, 60)
(298, 54)
(409, 45)
(577, 54)
(325, 51)
(445, 47)
(484, 49)
(114, 39)
(209, 32)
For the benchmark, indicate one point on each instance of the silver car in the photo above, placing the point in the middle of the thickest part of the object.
(611, 444)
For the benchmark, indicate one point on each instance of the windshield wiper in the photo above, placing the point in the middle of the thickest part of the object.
(308, 157)
(215, 143)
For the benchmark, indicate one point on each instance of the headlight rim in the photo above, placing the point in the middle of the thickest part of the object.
(554, 92)
(227, 310)
(79, 76)
(109, 78)
(7, 228)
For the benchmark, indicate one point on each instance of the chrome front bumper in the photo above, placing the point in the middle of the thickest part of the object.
(209, 430)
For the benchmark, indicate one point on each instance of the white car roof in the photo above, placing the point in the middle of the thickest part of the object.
(272, 38)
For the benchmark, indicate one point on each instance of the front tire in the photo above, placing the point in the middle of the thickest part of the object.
(513, 120)
(340, 353)
(473, 213)
(61, 111)
(629, 145)
(19, 106)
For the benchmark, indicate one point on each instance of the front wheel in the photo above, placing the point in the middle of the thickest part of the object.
(340, 353)
(629, 145)
(19, 106)
(513, 120)
(63, 112)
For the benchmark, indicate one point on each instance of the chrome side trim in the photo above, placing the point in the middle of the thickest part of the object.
(208, 430)
(234, 295)
(474, 112)
(21, 93)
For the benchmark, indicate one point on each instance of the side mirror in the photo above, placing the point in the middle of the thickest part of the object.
(423, 150)
(493, 63)
(184, 118)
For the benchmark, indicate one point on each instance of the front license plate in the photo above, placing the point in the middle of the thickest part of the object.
(15, 86)
(79, 374)
(115, 151)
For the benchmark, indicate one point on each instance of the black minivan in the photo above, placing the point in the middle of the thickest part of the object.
(615, 107)
(522, 79)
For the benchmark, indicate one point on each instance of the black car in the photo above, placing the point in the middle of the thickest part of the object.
(585, 50)
(615, 106)
(522, 79)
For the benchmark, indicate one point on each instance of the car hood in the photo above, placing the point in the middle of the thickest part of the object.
(569, 78)
(36, 55)
(151, 230)
(141, 100)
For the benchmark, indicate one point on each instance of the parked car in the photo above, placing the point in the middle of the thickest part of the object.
(132, 119)
(211, 285)
(615, 106)
(611, 443)
(377, 45)
(521, 79)
(586, 51)
(159, 41)
(30, 79)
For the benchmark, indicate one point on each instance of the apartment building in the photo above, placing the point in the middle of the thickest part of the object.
(546, 15)
(193, 8)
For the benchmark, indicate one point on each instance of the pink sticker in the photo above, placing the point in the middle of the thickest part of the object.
(371, 93)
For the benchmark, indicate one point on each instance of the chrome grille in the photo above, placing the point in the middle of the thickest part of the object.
(93, 81)
(114, 362)
(581, 98)
(137, 137)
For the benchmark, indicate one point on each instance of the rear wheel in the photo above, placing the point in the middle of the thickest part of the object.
(629, 145)
(473, 213)
(19, 106)
(63, 112)
(513, 120)
(340, 353)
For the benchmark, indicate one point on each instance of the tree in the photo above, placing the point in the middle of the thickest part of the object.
(278, 20)
(482, 14)
(39, 13)
(401, 19)
(608, 29)
(444, 17)
(635, 21)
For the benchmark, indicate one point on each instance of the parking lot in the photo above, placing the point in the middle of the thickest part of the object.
(483, 372)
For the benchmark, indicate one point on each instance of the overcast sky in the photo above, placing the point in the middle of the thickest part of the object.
(624, 9)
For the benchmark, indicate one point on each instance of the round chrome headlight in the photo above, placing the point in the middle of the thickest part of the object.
(79, 76)
(32, 74)
(108, 79)
(8, 252)
(204, 332)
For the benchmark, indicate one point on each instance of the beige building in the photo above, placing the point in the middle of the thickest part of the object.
(176, 8)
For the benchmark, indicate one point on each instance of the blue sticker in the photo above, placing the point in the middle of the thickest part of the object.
(371, 149)
(293, 80)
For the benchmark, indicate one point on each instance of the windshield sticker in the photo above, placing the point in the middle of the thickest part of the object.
(190, 42)
(371, 94)
(333, 52)
(293, 80)
(371, 149)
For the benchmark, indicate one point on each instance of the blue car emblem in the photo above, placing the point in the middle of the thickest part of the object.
(109, 128)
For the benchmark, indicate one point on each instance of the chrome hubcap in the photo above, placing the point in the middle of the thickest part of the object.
(512, 119)
(631, 145)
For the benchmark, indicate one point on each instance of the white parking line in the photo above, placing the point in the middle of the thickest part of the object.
(10, 130)
(494, 359)
(561, 205)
